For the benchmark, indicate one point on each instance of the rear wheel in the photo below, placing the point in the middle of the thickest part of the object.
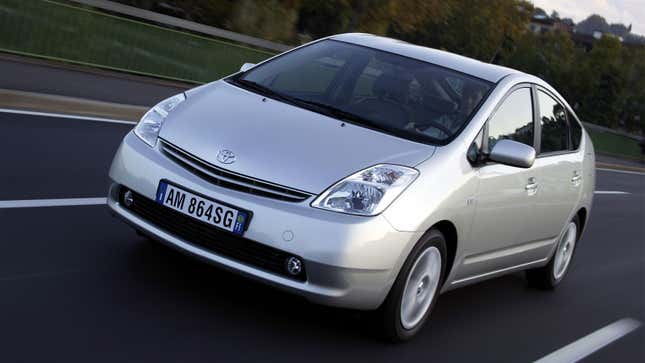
(549, 276)
(415, 290)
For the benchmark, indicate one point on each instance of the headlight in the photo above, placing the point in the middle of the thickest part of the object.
(148, 128)
(367, 192)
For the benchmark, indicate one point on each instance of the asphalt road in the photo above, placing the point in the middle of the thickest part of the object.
(32, 75)
(79, 285)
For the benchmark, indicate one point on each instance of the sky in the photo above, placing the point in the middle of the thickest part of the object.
(614, 11)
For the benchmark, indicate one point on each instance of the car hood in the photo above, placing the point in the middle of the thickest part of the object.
(280, 143)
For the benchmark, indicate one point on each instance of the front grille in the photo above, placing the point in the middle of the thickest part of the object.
(209, 238)
(227, 179)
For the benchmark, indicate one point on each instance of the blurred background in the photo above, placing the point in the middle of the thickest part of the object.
(598, 66)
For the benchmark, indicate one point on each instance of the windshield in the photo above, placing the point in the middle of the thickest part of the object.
(401, 96)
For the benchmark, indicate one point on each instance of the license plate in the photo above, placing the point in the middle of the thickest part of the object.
(206, 210)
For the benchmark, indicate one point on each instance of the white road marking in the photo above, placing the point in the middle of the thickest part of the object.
(609, 192)
(584, 346)
(32, 203)
(62, 115)
(621, 171)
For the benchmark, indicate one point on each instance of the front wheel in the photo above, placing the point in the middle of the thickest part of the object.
(549, 276)
(415, 290)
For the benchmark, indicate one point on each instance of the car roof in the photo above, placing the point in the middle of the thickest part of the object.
(486, 71)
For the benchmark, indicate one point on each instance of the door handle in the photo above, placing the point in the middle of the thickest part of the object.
(576, 178)
(531, 187)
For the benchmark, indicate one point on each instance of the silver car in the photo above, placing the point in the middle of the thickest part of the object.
(366, 173)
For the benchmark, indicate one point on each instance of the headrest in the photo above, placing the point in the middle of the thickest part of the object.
(388, 85)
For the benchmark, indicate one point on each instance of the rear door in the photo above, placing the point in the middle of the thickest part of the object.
(558, 165)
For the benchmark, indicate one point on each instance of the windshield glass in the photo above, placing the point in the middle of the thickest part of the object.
(384, 91)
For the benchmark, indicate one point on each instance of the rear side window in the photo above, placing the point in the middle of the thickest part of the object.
(553, 122)
(513, 120)
(576, 131)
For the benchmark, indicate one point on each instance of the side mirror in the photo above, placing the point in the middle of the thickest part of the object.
(512, 153)
(246, 66)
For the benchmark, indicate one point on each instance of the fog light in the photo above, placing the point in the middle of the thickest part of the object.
(128, 198)
(294, 265)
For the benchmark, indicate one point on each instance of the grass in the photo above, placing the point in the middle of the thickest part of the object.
(59, 31)
(616, 145)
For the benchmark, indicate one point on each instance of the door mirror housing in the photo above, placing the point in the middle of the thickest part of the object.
(512, 153)
(246, 66)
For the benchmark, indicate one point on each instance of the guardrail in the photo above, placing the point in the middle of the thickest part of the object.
(184, 24)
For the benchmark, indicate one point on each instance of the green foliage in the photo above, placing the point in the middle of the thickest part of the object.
(269, 19)
(613, 144)
(633, 112)
(58, 31)
(320, 18)
(475, 28)
(549, 56)
(607, 72)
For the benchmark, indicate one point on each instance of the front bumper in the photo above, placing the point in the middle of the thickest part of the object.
(350, 261)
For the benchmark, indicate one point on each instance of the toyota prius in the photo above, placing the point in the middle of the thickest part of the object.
(364, 172)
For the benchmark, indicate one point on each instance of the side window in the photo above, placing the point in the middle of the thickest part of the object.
(513, 120)
(553, 120)
(576, 131)
(473, 151)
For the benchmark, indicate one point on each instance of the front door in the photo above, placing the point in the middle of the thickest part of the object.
(503, 228)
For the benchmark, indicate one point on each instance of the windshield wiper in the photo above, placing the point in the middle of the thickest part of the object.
(263, 90)
(343, 115)
(323, 108)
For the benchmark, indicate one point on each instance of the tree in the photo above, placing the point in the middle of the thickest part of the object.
(633, 113)
(603, 103)
(591, 24)
(320, 18)
(269, 19)
(550, 56)
(476, 28)
(382, 17)
(539, 12)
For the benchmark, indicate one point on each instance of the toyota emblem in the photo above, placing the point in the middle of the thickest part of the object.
(226, 157)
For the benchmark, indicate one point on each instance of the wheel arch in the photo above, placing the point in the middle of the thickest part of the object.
(449, 231)
(582, 218)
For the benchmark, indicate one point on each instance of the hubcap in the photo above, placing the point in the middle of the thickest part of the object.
(564, 251)
(420, 287)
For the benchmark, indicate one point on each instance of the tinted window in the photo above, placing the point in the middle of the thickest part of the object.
(513, 120)
(325, 69)
(553, 120)
(473, 152)
(384, 91)
(576, 131)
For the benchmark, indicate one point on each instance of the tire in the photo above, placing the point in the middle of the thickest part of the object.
(393, 326)
(550, 276)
